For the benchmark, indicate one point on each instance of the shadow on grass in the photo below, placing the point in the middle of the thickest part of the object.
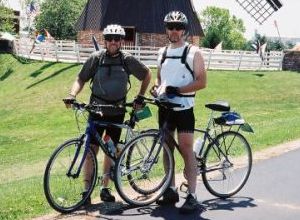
(259, 74)
(39, 71)
(52, 75)
(7, 73)
(23, 60)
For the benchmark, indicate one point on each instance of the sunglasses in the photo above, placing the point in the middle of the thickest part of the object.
(110, 38)
(177, 27)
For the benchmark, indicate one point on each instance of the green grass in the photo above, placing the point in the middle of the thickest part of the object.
(34, 120)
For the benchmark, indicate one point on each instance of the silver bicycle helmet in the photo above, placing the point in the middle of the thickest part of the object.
(176, 17)
(114, 29)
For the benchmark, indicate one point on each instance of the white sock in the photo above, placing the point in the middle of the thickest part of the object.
(194, 195)
(174, 188)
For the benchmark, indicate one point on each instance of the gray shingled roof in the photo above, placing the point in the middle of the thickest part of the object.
(145, 15)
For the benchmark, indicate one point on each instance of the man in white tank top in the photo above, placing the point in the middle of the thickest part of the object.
(180, 74)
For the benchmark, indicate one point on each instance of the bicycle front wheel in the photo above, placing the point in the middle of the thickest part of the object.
(228, 162)
(144, 170)
(64, 180)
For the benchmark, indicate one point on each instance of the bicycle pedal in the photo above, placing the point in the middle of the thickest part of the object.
(184, 187)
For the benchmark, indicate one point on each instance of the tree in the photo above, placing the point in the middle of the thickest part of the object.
(272, 45)
(257, 41)
(276, 45)
(6, 18)
(59, 17)
(219, 25)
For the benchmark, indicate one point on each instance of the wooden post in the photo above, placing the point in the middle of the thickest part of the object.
(56, 50)
(139, 53)
(209, 57)
(281, 61)
(41, 51)
(240, 61)
(77, 52)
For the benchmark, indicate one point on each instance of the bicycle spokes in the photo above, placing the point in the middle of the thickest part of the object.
(65, 179)
(227, 164)
(143, 176)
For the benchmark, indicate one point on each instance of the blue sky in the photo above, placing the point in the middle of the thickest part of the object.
(287, 17)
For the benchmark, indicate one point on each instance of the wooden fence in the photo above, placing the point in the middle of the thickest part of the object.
(70, 51)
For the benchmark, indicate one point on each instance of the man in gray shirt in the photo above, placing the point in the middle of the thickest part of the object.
(109, 72)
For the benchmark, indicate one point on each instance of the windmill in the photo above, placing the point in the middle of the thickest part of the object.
(141, 19)
(260, 10)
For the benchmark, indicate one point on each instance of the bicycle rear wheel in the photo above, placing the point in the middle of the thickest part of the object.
(228, 162)
(63, 189)
(140, 174)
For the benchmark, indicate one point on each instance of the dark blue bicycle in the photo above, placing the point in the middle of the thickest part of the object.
(64, 175)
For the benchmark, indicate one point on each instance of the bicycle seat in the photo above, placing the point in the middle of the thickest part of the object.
(220, 106)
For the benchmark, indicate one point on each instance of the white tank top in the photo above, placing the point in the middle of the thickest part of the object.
(175, 73)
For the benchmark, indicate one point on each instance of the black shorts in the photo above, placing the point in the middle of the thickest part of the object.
(113, 132)
(183, 120)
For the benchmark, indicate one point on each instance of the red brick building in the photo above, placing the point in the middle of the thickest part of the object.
(142, 20)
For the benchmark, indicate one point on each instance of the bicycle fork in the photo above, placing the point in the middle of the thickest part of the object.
(83, 141)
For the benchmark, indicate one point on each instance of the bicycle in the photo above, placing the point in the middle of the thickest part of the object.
(143, 171)
(142, 153)
(64, 177)
(225, 157)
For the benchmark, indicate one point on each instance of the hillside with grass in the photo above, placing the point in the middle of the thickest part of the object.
(34, 120)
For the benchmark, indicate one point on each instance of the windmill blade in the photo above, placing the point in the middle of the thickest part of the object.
(260, 10)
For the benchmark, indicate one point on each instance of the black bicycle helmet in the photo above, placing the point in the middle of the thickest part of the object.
(176, 17)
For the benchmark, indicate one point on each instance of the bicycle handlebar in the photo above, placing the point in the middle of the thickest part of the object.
(96, 108)
(162, 102)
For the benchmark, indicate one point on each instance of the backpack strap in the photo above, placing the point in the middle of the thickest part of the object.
(126, 69)
(164, 56)
(98, 61)
(184, 57)
(183, 60)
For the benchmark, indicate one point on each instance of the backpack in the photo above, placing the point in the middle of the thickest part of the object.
(182, 57)
(100, 62)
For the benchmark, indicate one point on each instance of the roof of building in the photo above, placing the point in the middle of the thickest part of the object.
(145, 15)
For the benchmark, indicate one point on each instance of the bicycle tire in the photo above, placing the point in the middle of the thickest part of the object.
(221, 171)
(64, 193)
(133, 171)
(146, 191)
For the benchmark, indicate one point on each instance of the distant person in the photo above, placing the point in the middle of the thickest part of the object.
(41, 37)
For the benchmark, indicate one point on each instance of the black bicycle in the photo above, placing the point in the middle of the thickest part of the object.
(225, 159)
(64, 176)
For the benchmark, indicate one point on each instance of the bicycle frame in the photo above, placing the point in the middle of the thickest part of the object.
(206, 133)
(86, 138)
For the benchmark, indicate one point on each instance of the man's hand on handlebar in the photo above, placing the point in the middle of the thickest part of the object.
(138, 102)
(172, 91)
(69, 100)
(153, 91)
